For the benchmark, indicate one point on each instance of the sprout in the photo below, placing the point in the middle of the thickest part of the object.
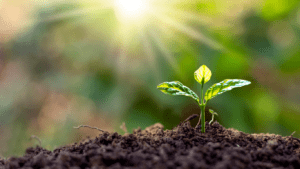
(212, 117)
(201, 75)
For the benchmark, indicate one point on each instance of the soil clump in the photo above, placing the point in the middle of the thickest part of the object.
(182, 147)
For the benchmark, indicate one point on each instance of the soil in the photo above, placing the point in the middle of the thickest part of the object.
(182, 147)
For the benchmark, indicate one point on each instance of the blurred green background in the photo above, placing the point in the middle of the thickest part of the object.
(98, 62)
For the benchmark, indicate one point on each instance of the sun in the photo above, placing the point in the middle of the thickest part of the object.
(131, 10)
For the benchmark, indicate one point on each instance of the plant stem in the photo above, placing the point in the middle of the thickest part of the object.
(202, 111)
(199, 117)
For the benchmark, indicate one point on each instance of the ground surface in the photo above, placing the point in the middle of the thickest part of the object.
(183, 147)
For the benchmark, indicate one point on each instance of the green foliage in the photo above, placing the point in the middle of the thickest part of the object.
(202, 75)
(224, 86)
(177, 88)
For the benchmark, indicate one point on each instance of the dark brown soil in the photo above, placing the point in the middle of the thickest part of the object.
(183, 147)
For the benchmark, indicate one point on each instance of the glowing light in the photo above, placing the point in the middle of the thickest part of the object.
(131, 9)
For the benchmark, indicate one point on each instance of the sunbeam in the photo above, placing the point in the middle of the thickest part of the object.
(189, 31)
(165, 51)
(137, 25)
(149, 53)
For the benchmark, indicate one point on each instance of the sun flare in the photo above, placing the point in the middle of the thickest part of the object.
(129, 10)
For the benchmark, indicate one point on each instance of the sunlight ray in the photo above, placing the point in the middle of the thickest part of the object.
(121, 64)
(189, 31)
(150, 53)
(166, 53)
(77, 13)
(184, 15)
(142, 27)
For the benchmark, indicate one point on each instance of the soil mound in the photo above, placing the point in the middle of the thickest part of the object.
(183, 147)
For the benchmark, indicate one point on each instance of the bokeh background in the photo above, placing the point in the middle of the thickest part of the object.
(98, 62)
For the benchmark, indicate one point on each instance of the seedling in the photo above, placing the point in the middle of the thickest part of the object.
(202, 75)
(212, 113)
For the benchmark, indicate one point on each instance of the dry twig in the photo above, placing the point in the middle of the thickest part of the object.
(89, 127)
(123, 127)
(191, 117)
(35, 137)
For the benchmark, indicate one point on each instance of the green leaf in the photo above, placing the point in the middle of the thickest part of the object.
(202, 75)
(177, 88)
(224, 86)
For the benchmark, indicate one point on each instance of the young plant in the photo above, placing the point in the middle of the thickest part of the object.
(202, 75)
(212, 117)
